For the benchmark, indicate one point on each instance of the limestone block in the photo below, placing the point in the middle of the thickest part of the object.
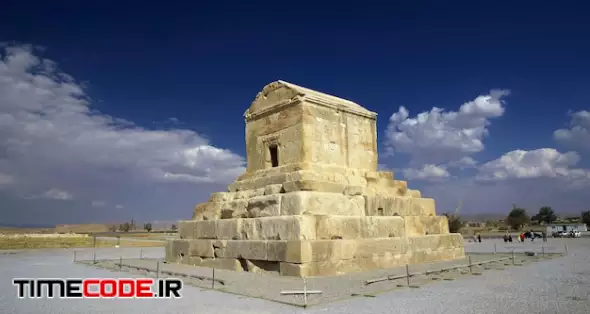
(202, 248)
(379, 205)
(420, 257)
(170, 257)
(296, 269)
(197, 229)
(437, 241)
(402, 186)
(276, 250)
(286, 228)
(423, 206)
(273, 189)
(368, 247)
(249, 249)
(339, 227)
(221, 197)
(302, 175)
(340, 179)
(321, 203)
(222, 263)
(236, 208)
(357, 205)
(179, 250)
(207, 211)
(229, 229)
(429, 242)
(354, 190)
(380, 260)
(312, 185)
(414, 226)
(276, 179)
(414, 193)
(306, 251)
(323, 268)
(372, 175)
(458, 252)
(383, 227)
(264, 206)
(267, 228)
(357, 181)
(350, 227)
(194, 260)
(242, 194)
(262, 267)
(423, 225)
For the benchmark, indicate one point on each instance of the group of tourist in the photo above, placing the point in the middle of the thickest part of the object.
(526, 235)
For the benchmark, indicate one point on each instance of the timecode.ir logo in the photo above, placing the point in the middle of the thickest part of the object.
(93, 288)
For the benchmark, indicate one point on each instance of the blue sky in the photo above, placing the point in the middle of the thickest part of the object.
(181, 77)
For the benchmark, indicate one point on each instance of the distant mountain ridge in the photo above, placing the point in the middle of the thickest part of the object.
(28, 226)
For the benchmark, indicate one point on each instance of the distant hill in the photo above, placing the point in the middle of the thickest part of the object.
(28, 226)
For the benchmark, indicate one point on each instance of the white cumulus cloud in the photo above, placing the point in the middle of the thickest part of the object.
(440, 136)
(578, 134)
(56, 194)
(428, 172)
(544, 162)
(50, 135)
(465, 162)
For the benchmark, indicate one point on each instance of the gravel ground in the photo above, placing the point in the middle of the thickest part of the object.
(549, 286)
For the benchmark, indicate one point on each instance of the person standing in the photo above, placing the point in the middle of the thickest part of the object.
(479, 238)
(544, 236)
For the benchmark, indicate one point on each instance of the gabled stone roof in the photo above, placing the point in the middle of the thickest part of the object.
(281, 92)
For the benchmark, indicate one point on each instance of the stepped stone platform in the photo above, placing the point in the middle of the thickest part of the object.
(311, 202)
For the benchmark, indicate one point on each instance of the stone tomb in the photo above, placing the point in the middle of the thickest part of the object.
(311, 201)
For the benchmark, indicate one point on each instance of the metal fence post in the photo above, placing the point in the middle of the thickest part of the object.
(495, 250)
(408, 274)
(513, 262)
(565, 244)
(118, 241)
(120, 262)
(470, 266)
(304, 292)
(94, 241)
(94, 258)
(140, 253)
(213, 281)
(74, 258)
(157, 270)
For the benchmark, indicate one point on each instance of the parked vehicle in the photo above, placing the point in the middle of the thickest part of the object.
(560, 234)
(574, 234)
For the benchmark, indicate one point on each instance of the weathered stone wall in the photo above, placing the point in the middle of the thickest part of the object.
(315, 257)
(274, 127)
(339, 138)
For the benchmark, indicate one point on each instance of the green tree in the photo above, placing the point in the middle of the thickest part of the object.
(517, 218)
(125, 227)
(586, 217)
(455, 223)
(113, 228)
(173, 227)
(545, 215)
(147, 227)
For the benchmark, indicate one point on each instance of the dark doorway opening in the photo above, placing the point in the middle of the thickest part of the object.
(274, 155)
